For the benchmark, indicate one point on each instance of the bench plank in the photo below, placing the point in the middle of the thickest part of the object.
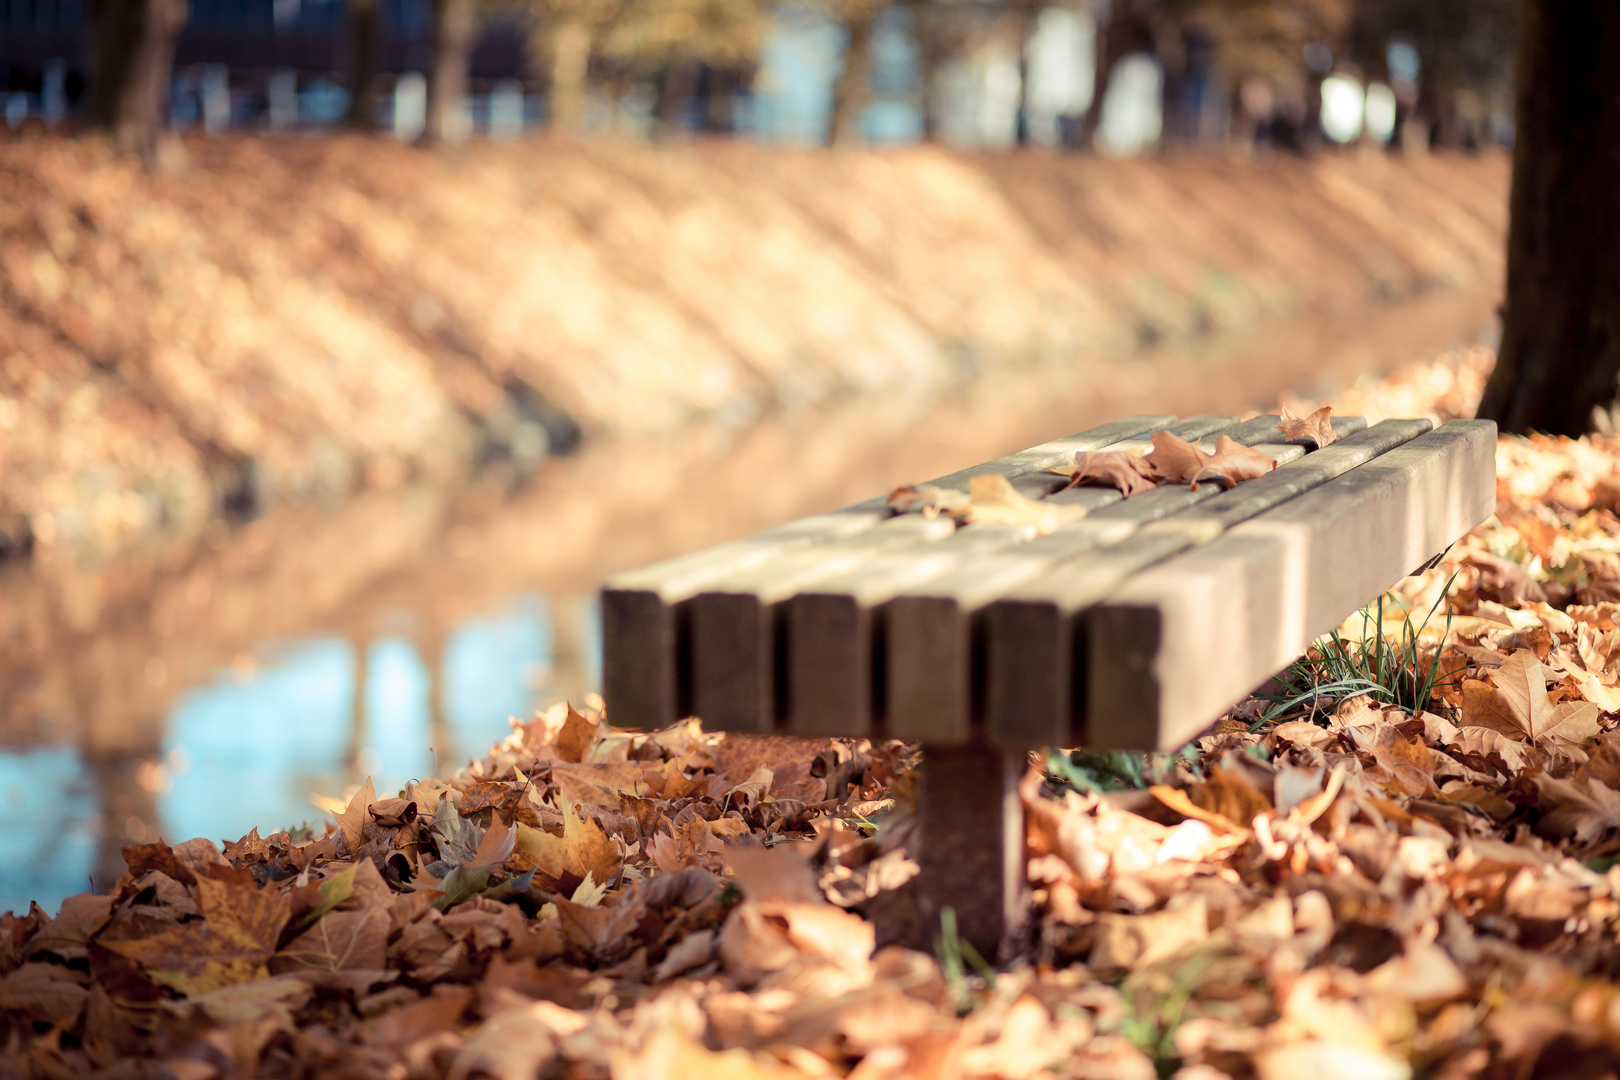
(930, 663)
(737, 652)
(832, 669)
(642, 632)
(1176, 645)
(1030, 634)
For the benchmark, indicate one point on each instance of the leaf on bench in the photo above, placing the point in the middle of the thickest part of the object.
(1179, 460)
(1119, 469)
(930, 500)
(996, 500)
(1315, 429)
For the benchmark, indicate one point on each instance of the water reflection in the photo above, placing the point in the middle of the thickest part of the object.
(247, 749)
(205, 690)
(49, 822)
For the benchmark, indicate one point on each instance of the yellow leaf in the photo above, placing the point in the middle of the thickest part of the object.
(583, 849)
(1518, 705)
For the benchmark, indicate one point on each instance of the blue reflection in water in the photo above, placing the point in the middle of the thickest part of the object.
(490, 665)
(394, 743)
(48, 818)
(246, 754)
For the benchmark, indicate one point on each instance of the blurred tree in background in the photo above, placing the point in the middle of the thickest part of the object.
(1560, 354)
(362, 63)
(132, 50)
(1229, 69)
(669, 42)
(455, 32)
(564, 36)
(850, 90)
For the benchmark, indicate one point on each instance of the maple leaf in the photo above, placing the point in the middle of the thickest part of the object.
(353, 818)
(994, 499)
(1231, 462)
(1130, 473)
(1586, 809)
(456, 838)
(576, 737)
(1315, 429)
(1518, 705)
(352, 939)
(229, 945)
(583, 849)
(496, 845)
(931, 500)
(1174, 458)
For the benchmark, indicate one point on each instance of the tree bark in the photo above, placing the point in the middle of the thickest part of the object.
(1108, 46)
(1560, 354)
(133, 48)
(851, 90)
(455, 32)
(362, 64)
(568, 55)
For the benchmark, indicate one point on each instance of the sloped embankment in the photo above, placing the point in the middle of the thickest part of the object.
(296, 316)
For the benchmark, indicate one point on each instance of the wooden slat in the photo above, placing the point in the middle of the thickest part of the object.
(643, 631)
(1030, 635)
(734, 648)
(832, 671)
(733, 622)
(1176, 645)
(930, 666)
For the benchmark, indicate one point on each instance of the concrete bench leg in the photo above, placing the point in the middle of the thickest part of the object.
(972, 844)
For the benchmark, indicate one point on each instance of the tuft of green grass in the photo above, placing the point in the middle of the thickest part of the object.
(1392, 672)
(955, 957)
(1158, 1008)
(1114, 770)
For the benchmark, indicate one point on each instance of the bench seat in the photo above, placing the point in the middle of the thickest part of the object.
(1133, 627)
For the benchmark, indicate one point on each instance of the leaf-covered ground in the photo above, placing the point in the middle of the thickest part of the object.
(1327, 885)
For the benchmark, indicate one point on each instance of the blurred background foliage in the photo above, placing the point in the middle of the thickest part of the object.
(980, 72)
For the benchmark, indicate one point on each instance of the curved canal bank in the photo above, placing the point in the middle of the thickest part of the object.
(292, 319)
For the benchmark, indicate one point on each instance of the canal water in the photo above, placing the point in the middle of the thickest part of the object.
(208, 688)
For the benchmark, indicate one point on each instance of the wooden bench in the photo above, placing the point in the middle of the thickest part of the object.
(1133, 627)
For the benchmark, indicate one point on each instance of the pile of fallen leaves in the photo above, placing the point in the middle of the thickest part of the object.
(1349, 890)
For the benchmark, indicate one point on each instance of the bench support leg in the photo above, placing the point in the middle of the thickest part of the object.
(972, 845)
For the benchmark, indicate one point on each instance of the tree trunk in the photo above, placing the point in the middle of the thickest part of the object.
(854, 81)
(1023, 26)
(361, 65)
(455, 32)
(568, 53)
(674, 90)
(1560, 355)
(133, 49)
(1108, 46)
(929, 57)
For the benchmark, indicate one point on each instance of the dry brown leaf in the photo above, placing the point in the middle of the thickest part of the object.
(1231, 462)
(1585, 809)
(930, 500)
(1130, 473)
(995, 500)
(1518, 705)
(353, 818)
(583, 849)
(577, 736)
(1175, 458)
(1316, 430)
(229, 945)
